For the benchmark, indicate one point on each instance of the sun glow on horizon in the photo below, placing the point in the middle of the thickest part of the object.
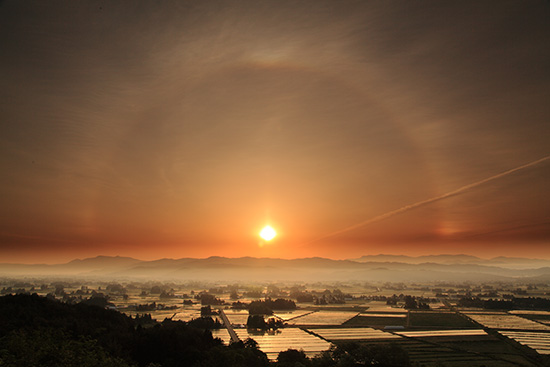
(268, 233)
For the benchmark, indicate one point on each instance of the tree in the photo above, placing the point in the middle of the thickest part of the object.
(274, 323)
(210, 299)
(52, 348)
(206, 311)
(410, 303)
(234, 295)
(259, 308)
(293, 358)
(256, 322)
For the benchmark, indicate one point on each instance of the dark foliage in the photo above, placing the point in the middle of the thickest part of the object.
(52, 347)
(256, 322)
(209, 299)
(292, 358)
(38, 331)
(206, 322)
(356, 354)
(524, 303)
(267, 306)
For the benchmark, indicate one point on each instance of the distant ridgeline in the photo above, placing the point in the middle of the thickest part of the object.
(37, 331)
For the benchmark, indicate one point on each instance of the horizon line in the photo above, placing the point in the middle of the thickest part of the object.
(277, 258)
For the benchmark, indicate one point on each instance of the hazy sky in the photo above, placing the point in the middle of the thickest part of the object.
(179, 129)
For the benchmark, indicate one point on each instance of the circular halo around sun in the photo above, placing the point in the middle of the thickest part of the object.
(268, 233)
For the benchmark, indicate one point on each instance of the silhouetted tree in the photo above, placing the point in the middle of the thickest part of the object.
(256, 322)
(292, 358)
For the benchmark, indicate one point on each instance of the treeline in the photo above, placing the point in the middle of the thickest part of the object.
(36, 331)
(264, 307)
(267, 306)
(524, 303)
(410, 302)
(319, 298)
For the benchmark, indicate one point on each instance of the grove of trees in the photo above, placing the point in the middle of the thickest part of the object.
(38, 331)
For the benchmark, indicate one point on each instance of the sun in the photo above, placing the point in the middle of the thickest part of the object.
(268, 233)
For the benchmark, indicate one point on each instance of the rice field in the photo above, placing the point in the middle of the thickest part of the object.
(391, 315)
(538, 341)
(271, 343)
(434, 354)
(506, 321)
(289, 315)
(529, 312)
(497, 354)
(237, 317)
(373, 321)
(439, 333)
(180, 314)
(324, 318)
(381, 306)
(440, 319)
(333, 334)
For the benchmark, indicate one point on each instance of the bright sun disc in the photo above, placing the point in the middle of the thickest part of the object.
(268, 233)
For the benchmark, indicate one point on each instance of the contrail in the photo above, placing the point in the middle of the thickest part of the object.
(431, 200)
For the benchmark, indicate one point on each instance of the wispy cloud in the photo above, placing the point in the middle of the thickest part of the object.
(418, 204)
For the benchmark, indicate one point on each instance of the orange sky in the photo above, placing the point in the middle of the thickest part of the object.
(180, 129)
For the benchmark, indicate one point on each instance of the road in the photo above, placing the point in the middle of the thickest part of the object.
(232, 333)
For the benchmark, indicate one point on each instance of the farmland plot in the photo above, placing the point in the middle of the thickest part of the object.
(529, 312)
(289, 315)
(333, 334)
(439, 319)
(176, 315)
(323, 318)
(538, 341)
(271, 343)
(377, 320)
(542, 317)
(237, 317)
(506, 321)
(442, 333)
(391, 315)
(382, 306)
(434, 354)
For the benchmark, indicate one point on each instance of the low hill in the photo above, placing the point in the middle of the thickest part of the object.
(377, 268)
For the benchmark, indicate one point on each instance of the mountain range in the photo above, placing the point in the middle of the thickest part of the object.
(514, 262)
(385, 268)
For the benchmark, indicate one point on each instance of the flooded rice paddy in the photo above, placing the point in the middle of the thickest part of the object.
(538, 341)
(506, 321)
(333, 334)
(440, 333)
(273, 342)
(323, 318)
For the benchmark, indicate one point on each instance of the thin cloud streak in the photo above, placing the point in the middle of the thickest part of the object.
(406, 208)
